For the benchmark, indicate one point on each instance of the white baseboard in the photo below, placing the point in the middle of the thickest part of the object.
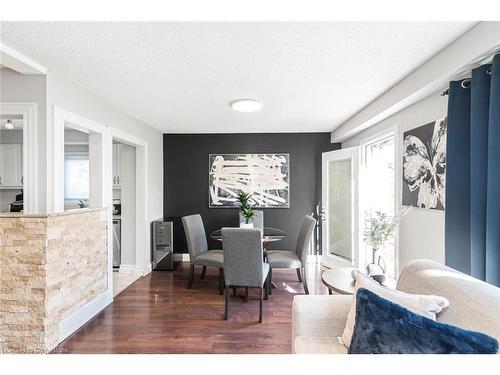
(71, 323)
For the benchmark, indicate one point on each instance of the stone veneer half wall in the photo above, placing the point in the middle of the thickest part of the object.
(50, 266)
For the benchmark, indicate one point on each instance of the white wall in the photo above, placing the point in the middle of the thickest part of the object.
(67, 95)
(127, 177)
(421, 232)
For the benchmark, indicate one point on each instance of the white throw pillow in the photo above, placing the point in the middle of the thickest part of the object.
(426, 305)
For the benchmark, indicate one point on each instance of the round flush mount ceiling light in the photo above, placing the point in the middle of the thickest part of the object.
(9, 125)
(246, 105)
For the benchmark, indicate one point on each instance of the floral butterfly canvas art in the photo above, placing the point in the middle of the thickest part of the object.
(424, 166)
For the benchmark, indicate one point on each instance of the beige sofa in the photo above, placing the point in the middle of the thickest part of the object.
(318, 321)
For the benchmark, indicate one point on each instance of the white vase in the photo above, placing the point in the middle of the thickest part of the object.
(246, 226)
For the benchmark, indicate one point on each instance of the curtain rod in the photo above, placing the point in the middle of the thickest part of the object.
(467, 72)
(465, 83)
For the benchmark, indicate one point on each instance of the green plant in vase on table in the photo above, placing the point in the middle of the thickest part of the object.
(248, 214)
(246, 210)
(379, 229)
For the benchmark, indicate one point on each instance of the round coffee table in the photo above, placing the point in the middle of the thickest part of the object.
(338, 280)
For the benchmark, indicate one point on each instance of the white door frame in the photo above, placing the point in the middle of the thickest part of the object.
(142, 226)
(29, 112)
(101, 187)
(351, 153)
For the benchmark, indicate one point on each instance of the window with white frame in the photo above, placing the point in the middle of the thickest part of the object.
(377, 192)
(76, 177)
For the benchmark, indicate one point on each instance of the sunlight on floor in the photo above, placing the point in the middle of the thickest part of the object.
(288, 288)
(122, 281)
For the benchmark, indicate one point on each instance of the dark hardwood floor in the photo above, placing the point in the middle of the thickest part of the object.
(157, 314)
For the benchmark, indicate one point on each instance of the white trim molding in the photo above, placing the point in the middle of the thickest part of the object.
(29, 112)
(19, 62)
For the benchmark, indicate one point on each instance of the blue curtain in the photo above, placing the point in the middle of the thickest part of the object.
(472, 226)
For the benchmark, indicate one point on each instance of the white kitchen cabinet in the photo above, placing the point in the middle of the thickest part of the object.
(116, 165)
(11, 167)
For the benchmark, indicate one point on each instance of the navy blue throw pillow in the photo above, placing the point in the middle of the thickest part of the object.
(384, 327)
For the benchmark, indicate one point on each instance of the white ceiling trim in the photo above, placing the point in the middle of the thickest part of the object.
(15, 60)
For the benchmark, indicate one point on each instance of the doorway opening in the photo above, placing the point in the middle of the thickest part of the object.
(18, 158)
(11, 163)
(126, 269)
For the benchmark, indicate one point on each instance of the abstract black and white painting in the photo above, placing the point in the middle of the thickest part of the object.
(265, 176)
(424, 166)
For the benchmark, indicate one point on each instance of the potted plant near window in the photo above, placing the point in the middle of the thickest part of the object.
(379, 229)
(246, 211)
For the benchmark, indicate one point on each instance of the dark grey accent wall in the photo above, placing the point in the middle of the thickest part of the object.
(185, 158)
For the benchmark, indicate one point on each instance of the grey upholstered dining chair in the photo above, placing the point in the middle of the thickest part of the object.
(294, 259)
(258, 219)
(199, 255)
(244, 263)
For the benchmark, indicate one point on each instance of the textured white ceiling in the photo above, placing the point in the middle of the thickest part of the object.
(180, 77)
